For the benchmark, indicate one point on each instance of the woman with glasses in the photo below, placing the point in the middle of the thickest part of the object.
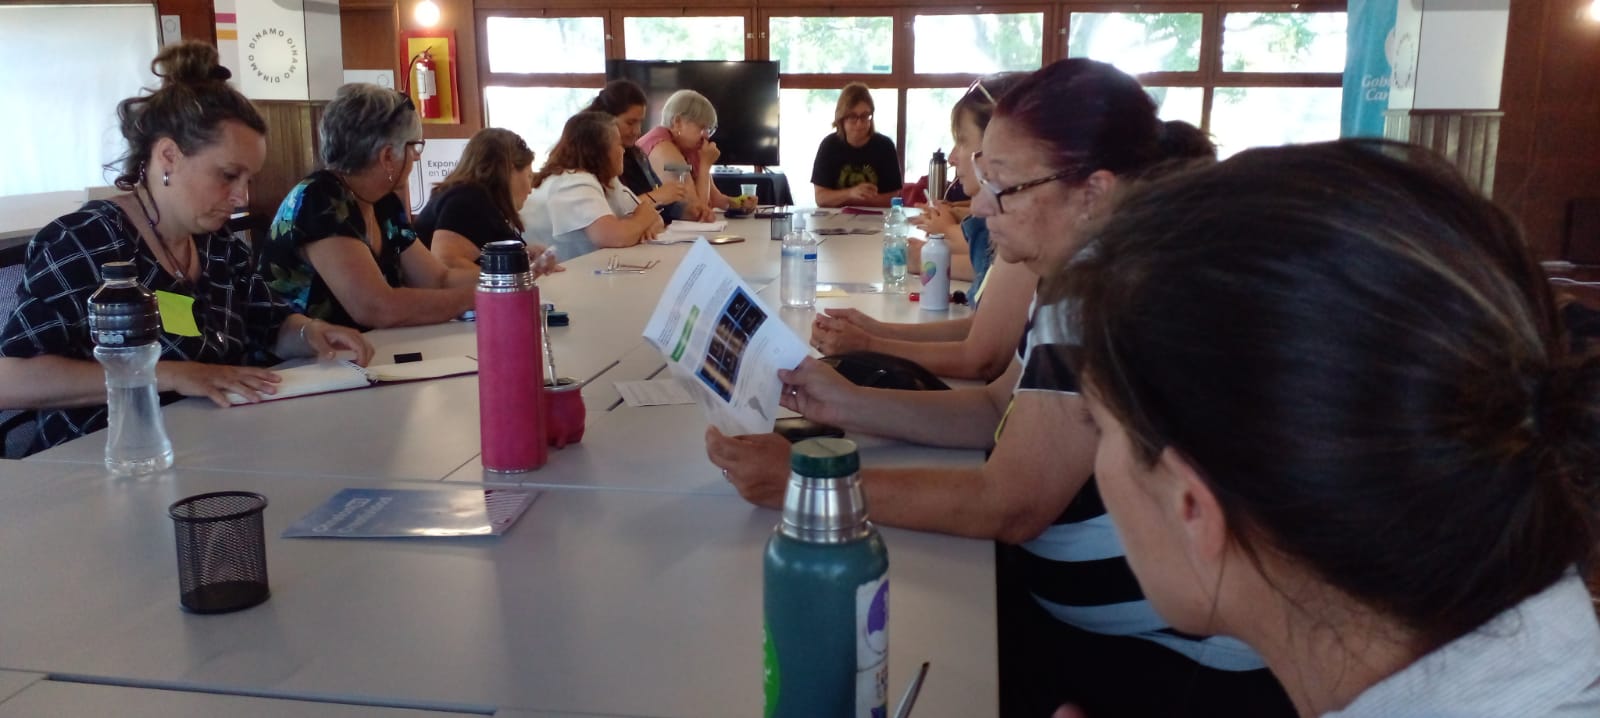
(1339, 420)
(193, 146)
(977, 347)
(341, 248)
(579, 204)
(1074, 627)
(479, 201)
(683, 139)
(856, 165)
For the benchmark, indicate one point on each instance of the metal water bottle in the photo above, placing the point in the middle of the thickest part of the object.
(510, 361)
(938, 177)
(935, 274)
(826, 593)
(125, 322)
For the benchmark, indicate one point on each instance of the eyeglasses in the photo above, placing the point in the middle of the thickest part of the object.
(708, 130)
(997, 192)
(857, 116)
(978, 86)
(405, 104)
(419, 145)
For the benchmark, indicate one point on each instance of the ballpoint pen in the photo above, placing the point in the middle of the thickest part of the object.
(910, 697)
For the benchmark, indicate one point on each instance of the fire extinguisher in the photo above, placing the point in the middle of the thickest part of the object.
(428, 87)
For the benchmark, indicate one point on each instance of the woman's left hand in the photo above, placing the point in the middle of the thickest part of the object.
(936, 219)
(757, 464)
(327, 339)
(544, 260)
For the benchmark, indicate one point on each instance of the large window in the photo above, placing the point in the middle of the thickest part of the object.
(1250, 73)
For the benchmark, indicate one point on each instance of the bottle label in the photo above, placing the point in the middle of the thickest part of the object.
(812, 257)
(772, 682)
(872, 649)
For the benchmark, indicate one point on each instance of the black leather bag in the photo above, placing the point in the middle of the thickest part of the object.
(882, 371)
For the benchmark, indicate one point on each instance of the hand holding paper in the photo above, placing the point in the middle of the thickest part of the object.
(723, 342)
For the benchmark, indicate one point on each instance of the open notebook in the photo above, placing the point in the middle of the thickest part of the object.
(339, 375)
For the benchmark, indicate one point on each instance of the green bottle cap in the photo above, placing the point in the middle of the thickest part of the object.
(824, 458)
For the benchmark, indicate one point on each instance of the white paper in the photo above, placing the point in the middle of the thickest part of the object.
(341, 374)
(425, 369)
(697, 227)
(660, 392)
(725, 345)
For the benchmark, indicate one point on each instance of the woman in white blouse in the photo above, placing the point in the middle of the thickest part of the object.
(1340, 421)
(578, 204)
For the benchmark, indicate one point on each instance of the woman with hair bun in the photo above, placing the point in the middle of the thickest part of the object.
(1338, 420)
(193, 145)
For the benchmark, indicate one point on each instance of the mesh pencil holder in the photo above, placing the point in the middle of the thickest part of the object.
(222, 551)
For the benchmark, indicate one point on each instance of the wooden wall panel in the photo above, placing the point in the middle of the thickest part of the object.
(367, 36)
(198, 18)
(291, 155)
(1550, 139)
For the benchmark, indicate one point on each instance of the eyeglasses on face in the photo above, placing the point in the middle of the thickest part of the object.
(856, 116)
(417, 146)
(998, 192)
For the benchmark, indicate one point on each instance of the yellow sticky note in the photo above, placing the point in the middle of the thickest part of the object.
(177, 314)
(831, 293)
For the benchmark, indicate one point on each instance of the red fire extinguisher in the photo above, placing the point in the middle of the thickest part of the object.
(428, 87)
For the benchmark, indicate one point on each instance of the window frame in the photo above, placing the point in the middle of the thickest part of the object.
(902, 76)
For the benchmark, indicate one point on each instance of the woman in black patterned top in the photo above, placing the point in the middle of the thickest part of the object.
(342, 248)
(193, 145)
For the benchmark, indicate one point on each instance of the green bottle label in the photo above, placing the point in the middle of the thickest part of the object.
(772, 679)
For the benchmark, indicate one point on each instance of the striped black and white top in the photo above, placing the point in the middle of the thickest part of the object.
(1076, 569)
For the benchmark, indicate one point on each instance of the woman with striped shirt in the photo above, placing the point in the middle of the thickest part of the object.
(1074, 627)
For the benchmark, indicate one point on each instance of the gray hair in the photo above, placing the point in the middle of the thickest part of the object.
(363, 119)
(691, 106)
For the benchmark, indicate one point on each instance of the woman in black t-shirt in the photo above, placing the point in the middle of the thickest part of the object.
(855, 164)
(479, 201)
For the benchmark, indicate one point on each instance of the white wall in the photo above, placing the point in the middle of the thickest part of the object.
(65, 69)
(1463, 54)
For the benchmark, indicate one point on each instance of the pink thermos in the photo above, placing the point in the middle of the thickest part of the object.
(511, 413)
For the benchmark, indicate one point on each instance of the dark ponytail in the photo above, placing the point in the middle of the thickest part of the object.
(1364, 362)
(618, 97)
(193, 100)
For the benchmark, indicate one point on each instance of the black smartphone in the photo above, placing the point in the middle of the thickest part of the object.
(797, 428)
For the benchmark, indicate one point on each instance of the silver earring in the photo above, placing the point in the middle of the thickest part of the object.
(166, 179)
(390, 177)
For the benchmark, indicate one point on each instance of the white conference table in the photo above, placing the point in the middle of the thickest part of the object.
(622, 603)
(632, 588)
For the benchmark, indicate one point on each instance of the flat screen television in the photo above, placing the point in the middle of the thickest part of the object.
(745, 94)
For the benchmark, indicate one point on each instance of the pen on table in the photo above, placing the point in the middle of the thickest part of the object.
(910, 697)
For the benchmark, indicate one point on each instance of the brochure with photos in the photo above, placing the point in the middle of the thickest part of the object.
(413, 513)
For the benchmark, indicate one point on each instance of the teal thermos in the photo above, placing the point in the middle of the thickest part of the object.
(826, 588)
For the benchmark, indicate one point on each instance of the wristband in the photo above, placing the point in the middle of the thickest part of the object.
(303, 328)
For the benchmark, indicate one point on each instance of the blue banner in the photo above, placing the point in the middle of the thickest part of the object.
(1366, 67)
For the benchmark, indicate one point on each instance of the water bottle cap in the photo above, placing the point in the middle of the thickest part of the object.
(938, 155)
(824, 458)
(118, 271)
(798, 222)
(896, 202)
(936, 235)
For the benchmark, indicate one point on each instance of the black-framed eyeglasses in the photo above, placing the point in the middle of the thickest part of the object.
(997, 191)
(405, 104)
(419, 144)
(858, 116)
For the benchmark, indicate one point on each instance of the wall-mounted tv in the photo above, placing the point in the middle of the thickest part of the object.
(744, 93)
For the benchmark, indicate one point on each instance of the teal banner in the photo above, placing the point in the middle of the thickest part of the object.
(1366, 67)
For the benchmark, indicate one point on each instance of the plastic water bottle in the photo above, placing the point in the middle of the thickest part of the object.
(125, 322)
(895, 231)
(826, 593)
(511, 415)
(935, 274)
(798, 273)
